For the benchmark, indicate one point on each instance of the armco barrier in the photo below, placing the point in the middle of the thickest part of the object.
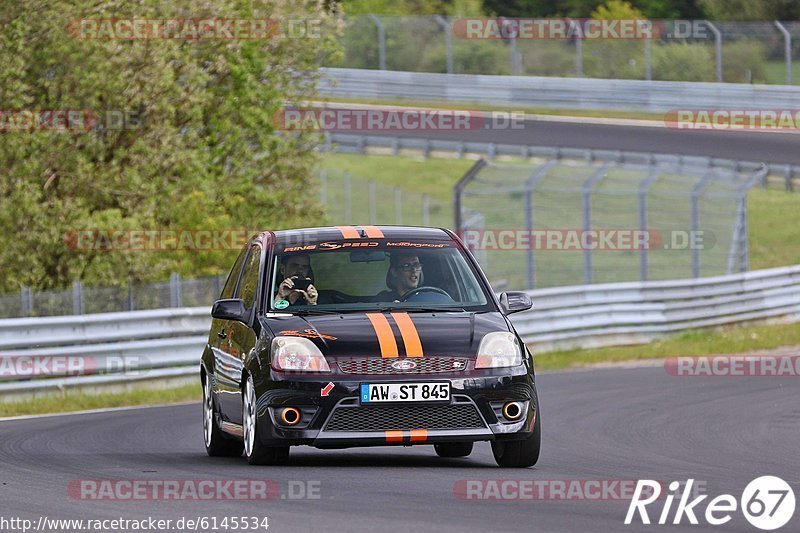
(168, 343)
(557, 93)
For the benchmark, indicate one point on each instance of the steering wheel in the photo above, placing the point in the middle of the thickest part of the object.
(419, 290)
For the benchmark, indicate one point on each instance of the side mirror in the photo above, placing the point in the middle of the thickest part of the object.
(232, 309)
(513, 302)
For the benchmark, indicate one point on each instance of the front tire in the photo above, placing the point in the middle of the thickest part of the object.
(255, 452)
(520, 453)
(453, 449)
(217, 443)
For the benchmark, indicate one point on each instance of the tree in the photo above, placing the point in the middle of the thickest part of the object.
(201, 150)
(751, 9)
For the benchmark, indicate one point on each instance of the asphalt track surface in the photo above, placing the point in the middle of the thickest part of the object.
(606, 424)
(755, 146)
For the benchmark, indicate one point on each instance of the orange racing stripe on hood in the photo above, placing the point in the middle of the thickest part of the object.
(409, 333)
(385, 334)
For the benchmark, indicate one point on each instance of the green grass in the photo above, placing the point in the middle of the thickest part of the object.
(728, 340)
(776, 72)
(774, 228)
(591, 113)
(774, 235)
(78, 401)
(434, 177)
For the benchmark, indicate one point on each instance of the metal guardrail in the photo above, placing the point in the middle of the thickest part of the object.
(637, 312)
(781, 175)
(583, 316)
(555, 93)
(103, 350)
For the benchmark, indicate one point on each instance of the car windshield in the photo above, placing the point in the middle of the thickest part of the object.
(339, 276)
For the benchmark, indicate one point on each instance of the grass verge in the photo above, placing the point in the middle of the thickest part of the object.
(774, 239)
(434, 104)
(727, 340)
(80, 401)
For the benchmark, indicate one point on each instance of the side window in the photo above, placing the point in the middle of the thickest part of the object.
(233, 277)
(249, 285)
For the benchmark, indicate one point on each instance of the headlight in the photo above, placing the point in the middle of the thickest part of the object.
(297, 354)
(499, 349)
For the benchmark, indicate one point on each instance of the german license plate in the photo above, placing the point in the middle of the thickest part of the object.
(405, 392)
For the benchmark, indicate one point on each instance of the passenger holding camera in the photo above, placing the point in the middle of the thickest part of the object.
(296, 287)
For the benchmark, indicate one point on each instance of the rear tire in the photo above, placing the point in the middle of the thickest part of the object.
(255, 452)
(217, 443)
(520, 453)
(453, 449)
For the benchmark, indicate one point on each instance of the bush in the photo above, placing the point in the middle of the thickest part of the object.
(683, 62)
(741, 56)
(549, 58)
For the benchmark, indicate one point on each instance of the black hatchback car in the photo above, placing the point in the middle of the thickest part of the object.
(366, 336)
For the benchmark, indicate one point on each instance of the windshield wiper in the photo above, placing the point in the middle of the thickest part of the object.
(443, 309)
(306, 312)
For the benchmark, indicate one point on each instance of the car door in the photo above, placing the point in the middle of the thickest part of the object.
(239, 337)
(218, 339)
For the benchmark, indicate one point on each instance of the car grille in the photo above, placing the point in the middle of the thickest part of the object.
(424, 365)
(395, 417)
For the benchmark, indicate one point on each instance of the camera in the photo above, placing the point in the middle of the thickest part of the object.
(301, 283)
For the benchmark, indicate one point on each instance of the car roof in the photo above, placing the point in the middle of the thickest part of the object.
(334, 233)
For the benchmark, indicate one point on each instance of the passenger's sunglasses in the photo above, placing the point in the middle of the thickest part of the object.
(408, 267)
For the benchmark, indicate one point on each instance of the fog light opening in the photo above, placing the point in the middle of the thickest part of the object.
(512, 410)
(290, 416)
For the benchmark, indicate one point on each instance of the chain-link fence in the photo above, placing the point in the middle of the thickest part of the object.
(80, 299)
(742, 52)
(350, 199)
(571, 222)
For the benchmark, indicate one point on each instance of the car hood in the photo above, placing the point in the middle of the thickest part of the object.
(386, 334)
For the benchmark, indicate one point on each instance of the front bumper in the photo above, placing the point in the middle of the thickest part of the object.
(338, 420)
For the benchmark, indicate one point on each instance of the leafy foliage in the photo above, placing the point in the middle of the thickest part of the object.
(205, 154)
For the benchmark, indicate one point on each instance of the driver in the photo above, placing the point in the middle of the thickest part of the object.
(294, 267)
(403, 276)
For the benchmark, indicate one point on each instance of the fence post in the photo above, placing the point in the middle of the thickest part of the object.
(697, 191)
(787, 51)
(648, 63)
(644, 188)
(323, 187)
(373, 208)
(130, 295)
(426, 210)
(77, 298)
(398, 206)
(26, 301)
(381, 41)
(578, 47)
(448, 40)
(718, 46)
(175, 290)
(530, 186)
(348, 198)
(587, 189)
